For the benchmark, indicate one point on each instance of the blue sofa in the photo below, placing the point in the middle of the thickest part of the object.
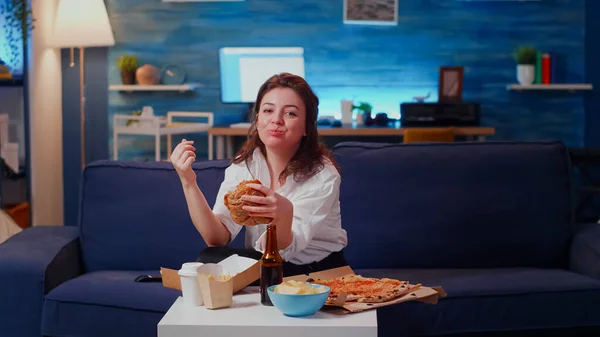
(492, 223)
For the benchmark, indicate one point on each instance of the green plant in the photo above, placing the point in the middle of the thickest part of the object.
(526, 55)
(363, 106)
(18, 23)
(127, 63)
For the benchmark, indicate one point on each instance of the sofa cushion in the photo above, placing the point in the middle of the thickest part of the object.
(483, 204)
(106, 303)
(481, 300)
(134, 215)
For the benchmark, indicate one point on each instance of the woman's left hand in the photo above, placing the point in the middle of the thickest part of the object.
(272, 205)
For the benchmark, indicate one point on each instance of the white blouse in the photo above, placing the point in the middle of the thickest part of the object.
(316, 225)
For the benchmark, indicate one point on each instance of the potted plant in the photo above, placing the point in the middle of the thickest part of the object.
(127, 64)
(364, 113)
(526, 59)
(18, 20)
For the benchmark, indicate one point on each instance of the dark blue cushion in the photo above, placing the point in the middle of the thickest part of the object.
(461, 205)
(481, 300)
(106, 303)
(134, 215)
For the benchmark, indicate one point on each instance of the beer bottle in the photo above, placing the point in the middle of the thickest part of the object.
(271, 265)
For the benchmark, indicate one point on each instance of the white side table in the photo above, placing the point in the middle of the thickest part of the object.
(152, 126)
(248, 317)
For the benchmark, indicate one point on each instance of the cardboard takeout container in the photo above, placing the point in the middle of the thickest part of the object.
(243, 270)
(422, 294)
(216, 292)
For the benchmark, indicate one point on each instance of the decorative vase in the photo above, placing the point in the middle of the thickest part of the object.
(525, 74)
(127, 77)
(148, 75)
(360, 119)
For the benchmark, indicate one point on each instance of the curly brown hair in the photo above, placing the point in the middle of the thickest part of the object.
(312, 155)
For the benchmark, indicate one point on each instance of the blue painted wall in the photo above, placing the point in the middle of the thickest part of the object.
(592, 67)
(96, 130)
(380, 64)
(385, 65)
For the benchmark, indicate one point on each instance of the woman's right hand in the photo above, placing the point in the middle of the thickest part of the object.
(182, 158)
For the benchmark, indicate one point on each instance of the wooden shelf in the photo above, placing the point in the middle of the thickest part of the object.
(564, 87)
(349, 130)
(159, 87)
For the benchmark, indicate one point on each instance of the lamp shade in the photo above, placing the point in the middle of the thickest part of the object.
(82, 23)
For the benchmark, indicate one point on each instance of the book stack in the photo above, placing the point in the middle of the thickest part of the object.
(545, 71)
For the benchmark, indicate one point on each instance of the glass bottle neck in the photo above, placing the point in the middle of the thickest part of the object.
(271, 245)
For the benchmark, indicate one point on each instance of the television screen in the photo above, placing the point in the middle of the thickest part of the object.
(244, 70)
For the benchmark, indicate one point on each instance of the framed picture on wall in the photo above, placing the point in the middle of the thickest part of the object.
(371, 12)
(450, 85)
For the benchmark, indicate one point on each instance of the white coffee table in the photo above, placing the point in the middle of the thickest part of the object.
(248, 317)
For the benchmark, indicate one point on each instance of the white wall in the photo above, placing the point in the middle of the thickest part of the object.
(45, 128)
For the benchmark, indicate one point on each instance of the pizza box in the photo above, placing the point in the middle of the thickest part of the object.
(243, 271)
(422, 294)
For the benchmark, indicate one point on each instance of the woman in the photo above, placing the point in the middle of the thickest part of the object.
(300, 180)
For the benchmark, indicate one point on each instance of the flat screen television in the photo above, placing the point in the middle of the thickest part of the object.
(244, 70)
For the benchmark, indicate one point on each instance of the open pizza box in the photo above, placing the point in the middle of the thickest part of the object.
(421, 293)
(218, 281)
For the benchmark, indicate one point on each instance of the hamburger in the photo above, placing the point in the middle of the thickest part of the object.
(234, 203)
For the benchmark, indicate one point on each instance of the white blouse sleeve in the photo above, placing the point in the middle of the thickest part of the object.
(310, 211)
(219, 209)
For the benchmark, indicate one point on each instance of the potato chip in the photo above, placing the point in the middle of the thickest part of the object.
(297, 287)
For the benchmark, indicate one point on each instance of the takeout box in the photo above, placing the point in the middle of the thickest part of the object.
(216, 286)
(244, 271)
(422, 294)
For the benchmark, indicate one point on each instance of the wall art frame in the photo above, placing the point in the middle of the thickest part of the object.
(371, 12)
(450, 85)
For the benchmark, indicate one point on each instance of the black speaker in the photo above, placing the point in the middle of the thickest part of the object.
(440, 114)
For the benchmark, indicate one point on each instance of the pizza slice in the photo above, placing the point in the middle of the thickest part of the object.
(365, 290)
(388, 292)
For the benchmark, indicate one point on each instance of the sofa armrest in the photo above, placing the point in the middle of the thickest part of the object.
(32, 263)
(585, 250)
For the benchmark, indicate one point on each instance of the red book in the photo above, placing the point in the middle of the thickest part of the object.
(545, 68)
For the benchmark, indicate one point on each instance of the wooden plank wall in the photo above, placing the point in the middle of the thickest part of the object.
(384, 65)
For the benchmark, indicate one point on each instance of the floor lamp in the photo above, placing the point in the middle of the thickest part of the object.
(81, 24)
